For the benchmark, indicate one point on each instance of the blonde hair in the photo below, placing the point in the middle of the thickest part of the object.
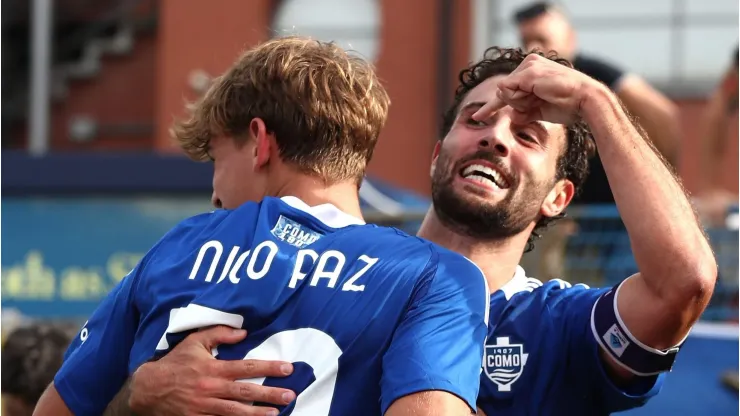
(325, 107)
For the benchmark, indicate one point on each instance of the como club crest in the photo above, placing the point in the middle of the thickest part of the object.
(504, 363)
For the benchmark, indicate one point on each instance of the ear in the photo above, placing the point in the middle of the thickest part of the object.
(435, 156)
(264, 143)
(558, 198)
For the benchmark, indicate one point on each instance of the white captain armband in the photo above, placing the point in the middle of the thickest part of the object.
(617, 341)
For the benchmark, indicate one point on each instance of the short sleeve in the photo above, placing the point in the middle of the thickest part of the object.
(599, 70)
(439, 343)
(570, 309)
(96, 363)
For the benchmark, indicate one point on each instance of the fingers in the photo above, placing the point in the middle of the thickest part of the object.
(519, 82)
(525, 117)
(214, 336)
(220, 407)
(244, 392)
(488, 109)
(519, 100)
(241, 369)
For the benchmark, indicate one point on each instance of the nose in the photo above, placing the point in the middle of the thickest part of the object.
(215, 201)
(494, 142)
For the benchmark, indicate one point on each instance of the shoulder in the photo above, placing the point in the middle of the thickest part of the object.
(599, 69)
(527, 292)
(401, 245)
(213, 222)
(459, 276)
(454, 264)
(195, 225)
(437, 268)
(587, 62)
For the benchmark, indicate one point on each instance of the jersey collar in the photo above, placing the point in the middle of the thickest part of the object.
(328, 214)
(516, 284)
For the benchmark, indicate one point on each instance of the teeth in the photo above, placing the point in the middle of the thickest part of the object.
(482, 179)
(476, 170)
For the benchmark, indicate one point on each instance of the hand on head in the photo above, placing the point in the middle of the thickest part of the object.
(541, 89)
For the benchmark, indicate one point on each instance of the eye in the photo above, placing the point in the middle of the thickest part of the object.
(527, 137)
(473, 122)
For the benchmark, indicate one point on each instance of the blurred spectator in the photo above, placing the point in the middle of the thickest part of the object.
(721, 111)
(31, 356)
(543, 26)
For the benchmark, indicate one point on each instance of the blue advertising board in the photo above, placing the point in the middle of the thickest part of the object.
(60, 256)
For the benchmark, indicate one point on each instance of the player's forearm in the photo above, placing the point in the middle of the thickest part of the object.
(661, 123)
(51, 403)
(656, 113)
(429, 403)
(669, 246)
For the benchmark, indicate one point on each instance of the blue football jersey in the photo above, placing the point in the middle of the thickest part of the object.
(367, 314)
(542, 358)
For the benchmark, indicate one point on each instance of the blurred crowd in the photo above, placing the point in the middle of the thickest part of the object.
(31, 355)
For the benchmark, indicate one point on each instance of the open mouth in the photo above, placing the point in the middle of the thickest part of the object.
(485, 175)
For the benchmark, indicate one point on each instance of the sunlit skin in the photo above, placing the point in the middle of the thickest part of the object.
(251, 168)
(236, 168)
(525, 154)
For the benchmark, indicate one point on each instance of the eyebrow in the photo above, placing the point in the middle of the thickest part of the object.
(539, 126)
(475, 105)
(472, 105)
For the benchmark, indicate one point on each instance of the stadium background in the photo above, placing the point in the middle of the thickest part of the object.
(90, 179)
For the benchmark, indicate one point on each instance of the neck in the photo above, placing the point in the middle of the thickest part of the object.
(497, 259)
(313, 191)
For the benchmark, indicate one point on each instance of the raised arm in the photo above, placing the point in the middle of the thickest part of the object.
(677, 267)
(655, 112)
(658, 305)
(655, 308)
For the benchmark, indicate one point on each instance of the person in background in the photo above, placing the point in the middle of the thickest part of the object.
(31, 356)
(544, 26)
(720, 112)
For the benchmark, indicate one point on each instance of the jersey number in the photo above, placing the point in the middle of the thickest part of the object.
(308, 345)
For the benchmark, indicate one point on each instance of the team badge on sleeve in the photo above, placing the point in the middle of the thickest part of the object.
(504, 363)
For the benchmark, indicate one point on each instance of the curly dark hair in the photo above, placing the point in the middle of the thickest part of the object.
(572, 164)
(31, 356)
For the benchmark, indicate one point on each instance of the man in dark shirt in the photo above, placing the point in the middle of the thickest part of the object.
(543, 26)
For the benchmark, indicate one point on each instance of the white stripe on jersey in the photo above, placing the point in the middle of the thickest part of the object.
(488, 291)
(566, 285)
(521, 283)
